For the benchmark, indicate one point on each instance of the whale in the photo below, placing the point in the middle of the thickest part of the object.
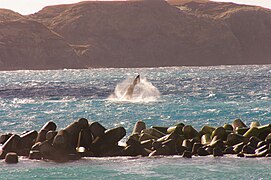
(130, 90)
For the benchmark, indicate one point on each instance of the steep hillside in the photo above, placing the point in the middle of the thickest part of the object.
(26, 44)
(251, 25)
(141, 33)
(7, 15)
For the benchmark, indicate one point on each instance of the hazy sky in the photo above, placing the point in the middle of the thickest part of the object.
(31, 6)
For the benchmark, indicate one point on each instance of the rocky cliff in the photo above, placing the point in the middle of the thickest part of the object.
(142, 33)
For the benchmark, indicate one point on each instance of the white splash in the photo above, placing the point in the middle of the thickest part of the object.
(144, 92)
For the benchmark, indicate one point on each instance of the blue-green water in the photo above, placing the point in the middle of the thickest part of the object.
(192, 95)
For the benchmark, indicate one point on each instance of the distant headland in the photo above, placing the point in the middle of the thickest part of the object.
(139, 33)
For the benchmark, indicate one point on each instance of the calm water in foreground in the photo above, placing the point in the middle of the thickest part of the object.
(192, 95)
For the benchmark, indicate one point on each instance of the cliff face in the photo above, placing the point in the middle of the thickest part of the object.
(250, 25)
(253, 30)
(26, 44)
(142, 33)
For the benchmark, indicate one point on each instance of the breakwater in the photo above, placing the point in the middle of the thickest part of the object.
(83, 138)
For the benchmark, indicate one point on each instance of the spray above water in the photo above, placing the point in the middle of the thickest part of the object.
(137, 90)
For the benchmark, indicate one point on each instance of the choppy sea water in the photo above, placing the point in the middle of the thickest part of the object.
(192, 95)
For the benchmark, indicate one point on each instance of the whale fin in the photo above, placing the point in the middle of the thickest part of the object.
(136, 80)
(128, 94)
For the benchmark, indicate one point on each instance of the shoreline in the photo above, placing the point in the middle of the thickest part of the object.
(159, 67)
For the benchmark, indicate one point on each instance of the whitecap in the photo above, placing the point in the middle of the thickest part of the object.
(211, 95)
(23, 101)
(210, 110)
(265, 98)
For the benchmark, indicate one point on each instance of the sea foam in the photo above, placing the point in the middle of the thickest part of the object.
(144, 92)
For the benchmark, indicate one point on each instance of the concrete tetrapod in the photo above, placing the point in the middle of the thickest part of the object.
(82, 138)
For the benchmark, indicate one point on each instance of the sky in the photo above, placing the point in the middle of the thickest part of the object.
(31, 6)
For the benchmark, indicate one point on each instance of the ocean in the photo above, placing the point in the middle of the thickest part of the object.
(168, 95)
